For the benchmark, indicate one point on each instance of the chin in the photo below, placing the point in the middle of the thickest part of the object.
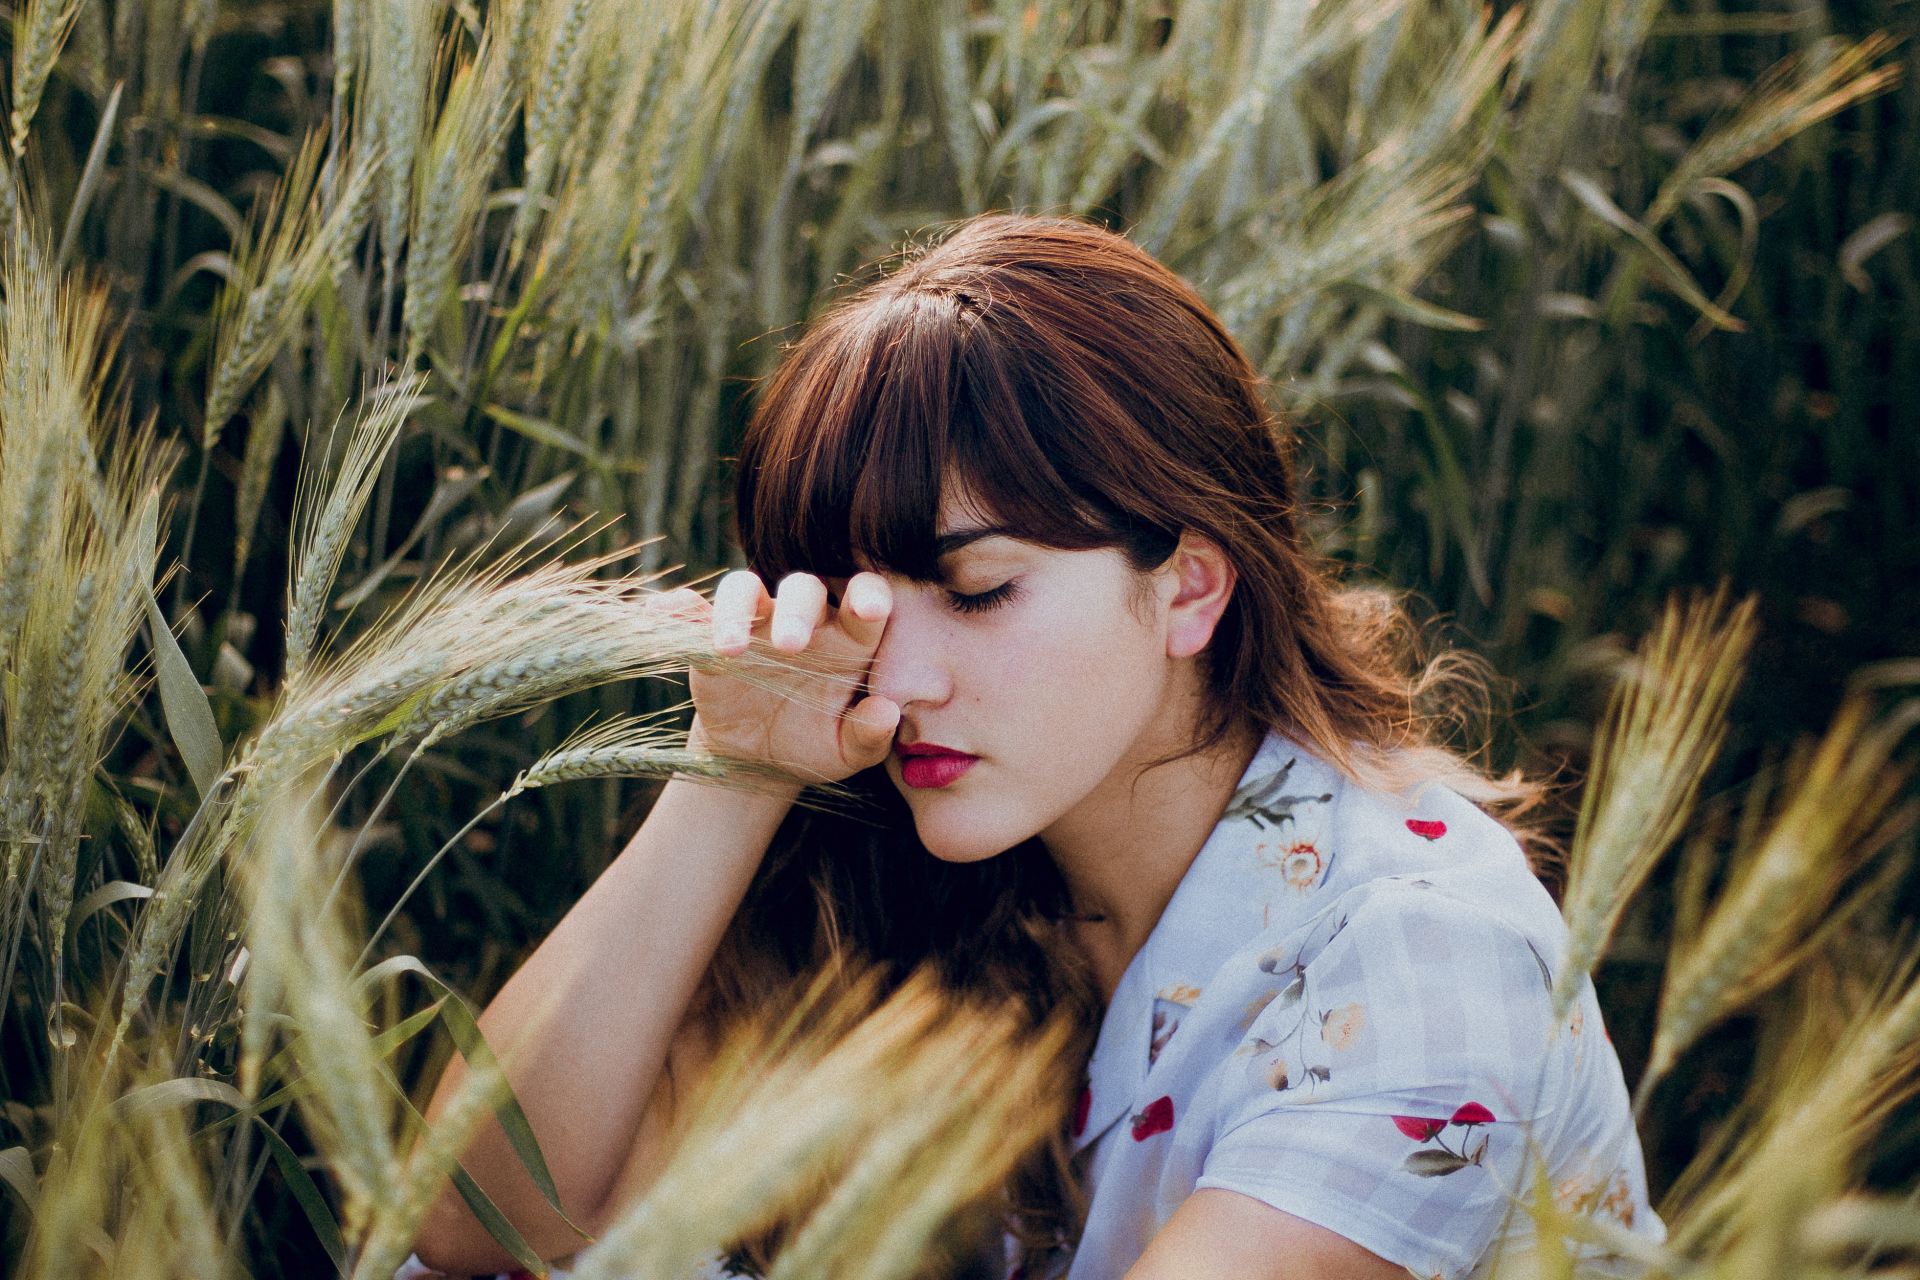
(952, 841)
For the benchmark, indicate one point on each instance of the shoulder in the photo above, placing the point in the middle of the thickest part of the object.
(1427, 957)
(1429, 839)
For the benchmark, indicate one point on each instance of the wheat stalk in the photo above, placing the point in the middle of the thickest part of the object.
(198, 19)
(954, 75)
(139, 838)
(595, 212)
(455, 176)
(285, 255)
(482, 1088)
(297, 955)
(1351, 228)
(40, 28)
(684, 100)
(264, 435)
(399, 66)
(1843, 1072)
(515, 20)
(635, 747)
(61, 721)
(553, 102)
(829, 39)
(349, 47)
(9, 196)
(51, 359)
(749, 1154)
(324, 523)
(1799, 92)
(1663, 727)
(1290, 46)
(882, 1219)
(1838, 812)
(123, 1181)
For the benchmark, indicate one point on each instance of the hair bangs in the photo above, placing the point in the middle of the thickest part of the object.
(880, 410)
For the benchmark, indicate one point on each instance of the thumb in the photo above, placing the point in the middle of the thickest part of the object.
(868, 732)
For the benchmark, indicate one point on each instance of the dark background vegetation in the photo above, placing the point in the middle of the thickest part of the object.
(1615, 451)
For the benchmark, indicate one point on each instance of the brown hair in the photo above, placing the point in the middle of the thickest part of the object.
(1087, 397)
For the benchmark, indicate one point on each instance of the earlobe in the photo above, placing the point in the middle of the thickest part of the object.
(1204, 579)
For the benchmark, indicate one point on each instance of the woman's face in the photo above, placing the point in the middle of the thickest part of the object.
(1050, 667)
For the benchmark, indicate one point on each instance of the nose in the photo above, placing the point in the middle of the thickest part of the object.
(910, 667)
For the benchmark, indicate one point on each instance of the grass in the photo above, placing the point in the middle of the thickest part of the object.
(422, 295)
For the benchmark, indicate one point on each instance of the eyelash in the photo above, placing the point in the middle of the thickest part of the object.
(985, 600)
(981, 602)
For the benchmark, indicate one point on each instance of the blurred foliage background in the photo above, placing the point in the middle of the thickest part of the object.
(1574, 306)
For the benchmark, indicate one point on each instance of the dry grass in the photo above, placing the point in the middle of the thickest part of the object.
(1838, 804)
(1310, 163)
(1663, 727)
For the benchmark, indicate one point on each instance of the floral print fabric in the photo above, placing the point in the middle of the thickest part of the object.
(1344, 1012)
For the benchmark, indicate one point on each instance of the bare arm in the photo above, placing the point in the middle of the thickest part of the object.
(1223, 1235)
(584, 1026)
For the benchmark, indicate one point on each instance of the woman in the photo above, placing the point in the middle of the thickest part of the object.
(1137, 758)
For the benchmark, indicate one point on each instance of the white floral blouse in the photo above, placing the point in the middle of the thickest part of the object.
(1344, 1012)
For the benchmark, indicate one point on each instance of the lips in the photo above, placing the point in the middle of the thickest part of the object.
(927, 765)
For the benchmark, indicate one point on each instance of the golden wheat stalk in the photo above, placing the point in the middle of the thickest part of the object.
(945, 1097)
(125, 1190)
(299, 960)
(398, 71)
(1796, 94)
(52, 356)
(1663, 727)
(1822, 1103)
(1839, 809)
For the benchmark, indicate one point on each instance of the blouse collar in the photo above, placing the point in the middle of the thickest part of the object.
(1219, 906)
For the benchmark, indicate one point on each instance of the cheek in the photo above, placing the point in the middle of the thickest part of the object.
(1069, 656)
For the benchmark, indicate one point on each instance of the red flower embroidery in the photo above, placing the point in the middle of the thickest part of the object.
(1472, 1113)
(1425, 829)
(1081, 1110)
(1420, 1130)
(1157, 1118)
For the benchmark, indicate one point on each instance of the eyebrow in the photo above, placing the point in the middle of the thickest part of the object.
(948, 543)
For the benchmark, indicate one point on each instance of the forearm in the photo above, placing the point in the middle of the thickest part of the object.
(583, 1028)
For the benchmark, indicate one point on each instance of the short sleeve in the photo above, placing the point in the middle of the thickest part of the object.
(1386, 1091)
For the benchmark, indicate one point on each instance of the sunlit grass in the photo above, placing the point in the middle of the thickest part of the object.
(526, 254)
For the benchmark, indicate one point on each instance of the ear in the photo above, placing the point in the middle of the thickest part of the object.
(1201, 580)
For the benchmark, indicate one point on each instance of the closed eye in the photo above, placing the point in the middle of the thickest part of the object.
(982, 601)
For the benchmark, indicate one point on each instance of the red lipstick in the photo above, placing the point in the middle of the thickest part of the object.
(926, 765)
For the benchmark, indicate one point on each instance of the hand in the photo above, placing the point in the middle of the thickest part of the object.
(806, 717)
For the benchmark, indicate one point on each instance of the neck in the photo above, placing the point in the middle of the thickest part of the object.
(1124, 849)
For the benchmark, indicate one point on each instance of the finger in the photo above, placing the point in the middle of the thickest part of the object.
(864, 608)
(683, 602)
(866, 734)
(797, 612)
(738, 602)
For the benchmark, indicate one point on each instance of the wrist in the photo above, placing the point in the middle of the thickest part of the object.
(776, 788)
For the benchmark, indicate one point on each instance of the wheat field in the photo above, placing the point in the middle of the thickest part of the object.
(367, 368)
